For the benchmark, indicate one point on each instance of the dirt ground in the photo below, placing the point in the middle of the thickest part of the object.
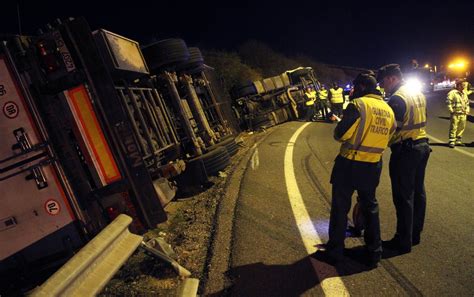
(189, 231)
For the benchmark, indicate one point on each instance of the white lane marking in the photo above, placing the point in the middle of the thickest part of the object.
(332, 286)
(255, 161)
(455, 149)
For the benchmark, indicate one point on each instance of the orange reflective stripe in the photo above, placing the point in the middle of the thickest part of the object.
(94, 138)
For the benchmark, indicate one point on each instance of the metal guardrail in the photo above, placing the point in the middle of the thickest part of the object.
(93, 266)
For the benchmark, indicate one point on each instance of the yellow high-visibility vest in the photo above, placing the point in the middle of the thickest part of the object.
(310, 97)
(336, 95)
(368, 137)
(467, 89)
(381, 90)
(414, 119)
(323, 94)
(457, 102)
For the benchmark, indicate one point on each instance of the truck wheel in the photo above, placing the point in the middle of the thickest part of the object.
(165, 53)
(264, 120)
(216, 160)
(247, 91)
(213, 161)
(195, 63)
(229, 143)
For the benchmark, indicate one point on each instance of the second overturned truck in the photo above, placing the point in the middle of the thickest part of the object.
(273, 100)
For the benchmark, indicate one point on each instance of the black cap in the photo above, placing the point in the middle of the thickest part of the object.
(389, 70)
(367, 79)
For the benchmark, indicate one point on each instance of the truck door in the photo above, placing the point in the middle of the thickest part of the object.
(33, 200)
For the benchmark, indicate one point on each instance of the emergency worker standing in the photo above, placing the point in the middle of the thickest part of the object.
(410, 153)
(337, 99)
(322, 102)
(310, 101)
(458, 106)
(364, 131)
(467, 88)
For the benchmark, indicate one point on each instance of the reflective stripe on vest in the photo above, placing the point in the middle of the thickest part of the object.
(414, 119)
(370, 134)
(336, 95)
(323, 94)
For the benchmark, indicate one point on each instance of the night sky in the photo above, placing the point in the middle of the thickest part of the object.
(353, 34)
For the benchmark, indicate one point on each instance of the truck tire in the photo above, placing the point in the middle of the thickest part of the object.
(268, 84)
(278, 82)
(165, 54)
(246, 91)
(281, 115)
(195, 63)
(259, 87)
(228, 142)
(216, 160)
(213, 161)
(263, 120)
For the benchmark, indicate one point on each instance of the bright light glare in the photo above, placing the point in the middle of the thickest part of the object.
(459, 64)
(413, 85)
(427, 65)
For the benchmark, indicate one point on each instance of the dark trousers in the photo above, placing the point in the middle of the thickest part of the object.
(340, 206)
(337, 108)
(323, 107)
(407, 173)
(310, 113)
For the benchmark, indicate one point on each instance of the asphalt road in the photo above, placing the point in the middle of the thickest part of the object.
(271, 257)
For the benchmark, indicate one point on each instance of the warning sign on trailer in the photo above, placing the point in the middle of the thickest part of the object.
(52, 207)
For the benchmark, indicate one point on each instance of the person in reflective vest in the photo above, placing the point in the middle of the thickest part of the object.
(364, 131)
(408, 160)
(337, 99)
(310, 101)
(323, 102)
(467, 88)
(381, 90)
(458, 107)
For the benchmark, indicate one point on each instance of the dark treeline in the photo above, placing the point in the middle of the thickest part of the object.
(256, 60)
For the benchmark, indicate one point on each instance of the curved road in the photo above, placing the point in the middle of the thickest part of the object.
(277, 224)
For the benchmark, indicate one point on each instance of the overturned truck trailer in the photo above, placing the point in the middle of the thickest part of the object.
(207, 139)
(88, 132)
(274, 100)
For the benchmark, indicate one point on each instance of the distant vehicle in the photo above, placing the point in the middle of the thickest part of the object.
(420, 78)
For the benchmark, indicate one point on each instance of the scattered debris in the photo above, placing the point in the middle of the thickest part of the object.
(188, 288)
(157, 252)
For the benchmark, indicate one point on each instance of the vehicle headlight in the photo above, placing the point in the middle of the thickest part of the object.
(413, 85)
